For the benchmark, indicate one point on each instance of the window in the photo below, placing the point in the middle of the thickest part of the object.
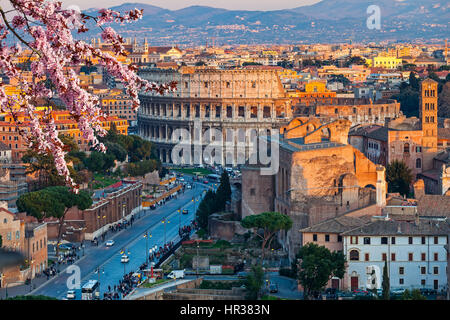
(418, 149)
(392, 256)
(410, 240)
(252, 191)
(354, 255)
(384, 240)
(314, 237)
(423, 240)
(418, 163)
(436, 282)
(401, 281)
(423, 256)
(339, 239)
(410, 256)
(366, 257)
(422, 282)
(327, 237)
(366, 240)
(353, 240)
(384, 257)
(393, 240)
(435, 270)
(436, 256)
(406, 148)
(401, 270)
(423, 270)
(436, 240)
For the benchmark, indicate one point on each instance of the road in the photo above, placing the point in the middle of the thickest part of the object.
(107, 259)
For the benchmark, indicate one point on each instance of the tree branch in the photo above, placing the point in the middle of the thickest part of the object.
(2, 13)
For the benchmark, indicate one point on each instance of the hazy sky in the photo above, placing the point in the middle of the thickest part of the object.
(178, 4)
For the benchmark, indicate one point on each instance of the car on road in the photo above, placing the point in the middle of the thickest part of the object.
(185, 211)
(398, 291)
(124, 259)
(71, 295)
(176, 274)
(181, 179)
(205, 181)
(188, 186)
(109, 243)
(66, 246)
(273, 288)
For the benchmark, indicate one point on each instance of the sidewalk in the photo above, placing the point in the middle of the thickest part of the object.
(23, 289)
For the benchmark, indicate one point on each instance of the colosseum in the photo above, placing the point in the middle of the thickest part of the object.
(238, 100)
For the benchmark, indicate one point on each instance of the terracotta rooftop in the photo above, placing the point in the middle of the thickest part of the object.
(338, 225)
(431, 205)
(400, 228)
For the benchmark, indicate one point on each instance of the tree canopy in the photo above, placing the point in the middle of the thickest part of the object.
(316, 266)
(52, 202)
(223, 193)
(254, 282)
(386, 292)
(270, 223)
(398, 177)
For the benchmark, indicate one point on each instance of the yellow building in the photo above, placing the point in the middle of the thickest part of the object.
(386, 62)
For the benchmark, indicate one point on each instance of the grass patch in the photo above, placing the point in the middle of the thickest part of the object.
(194, 171)
(157, 282)
(223, 244)
(100, 181)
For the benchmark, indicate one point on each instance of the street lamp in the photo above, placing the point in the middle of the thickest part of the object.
(179, 222)
(6, 291)
(146, 236)
(165, 221)
(197, 258)
(97, 271)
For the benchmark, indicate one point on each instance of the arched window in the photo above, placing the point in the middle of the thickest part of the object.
(418, 163)
(354, 255)
(406, 148)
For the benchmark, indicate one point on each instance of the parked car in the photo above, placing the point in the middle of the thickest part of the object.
(273, 288)
(344, 295)
(398, 291)
(427, 292)
(71, 295)
(331, 293)
(359, 292)
(205, 181)
(185, 211)
(109, 243)
(176, 274)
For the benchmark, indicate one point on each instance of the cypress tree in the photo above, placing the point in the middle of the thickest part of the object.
(385, 284)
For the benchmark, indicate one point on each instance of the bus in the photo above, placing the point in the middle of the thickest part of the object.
(90, 290)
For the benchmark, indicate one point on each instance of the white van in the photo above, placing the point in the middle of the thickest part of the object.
(176, 274)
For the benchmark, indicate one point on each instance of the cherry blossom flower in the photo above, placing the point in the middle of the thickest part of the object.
(47, 30)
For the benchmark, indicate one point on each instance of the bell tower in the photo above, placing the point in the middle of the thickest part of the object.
(428, 117)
